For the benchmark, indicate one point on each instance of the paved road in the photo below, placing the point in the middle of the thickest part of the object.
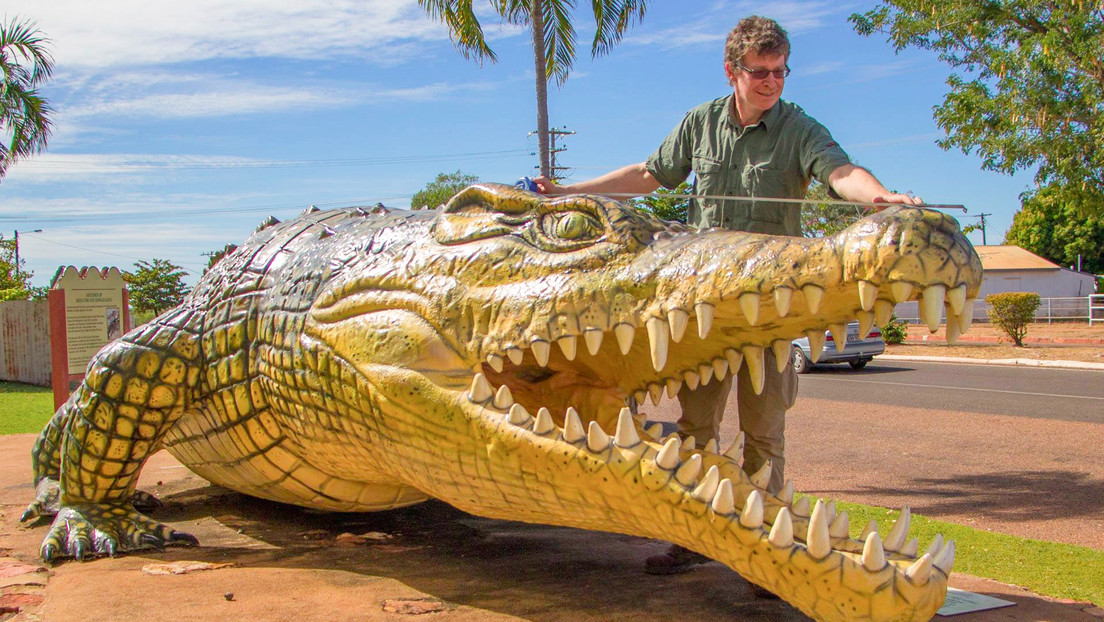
(1047, 393)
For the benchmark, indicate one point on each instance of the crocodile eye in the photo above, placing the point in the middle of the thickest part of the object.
(574, 226)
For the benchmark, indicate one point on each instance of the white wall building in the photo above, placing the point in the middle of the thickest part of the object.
(1013, 269)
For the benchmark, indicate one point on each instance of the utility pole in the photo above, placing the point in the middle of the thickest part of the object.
(552, 151)
(982, 217)
(16, 236)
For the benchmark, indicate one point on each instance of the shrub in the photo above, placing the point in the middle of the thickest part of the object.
(1012, 312)
(895, 331)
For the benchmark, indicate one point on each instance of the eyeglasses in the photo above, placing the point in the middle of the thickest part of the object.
(761, 74)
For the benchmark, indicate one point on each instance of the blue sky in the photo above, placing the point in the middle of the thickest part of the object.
(181, 126)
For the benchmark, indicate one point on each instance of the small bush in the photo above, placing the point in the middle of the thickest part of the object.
(895, 331)
(1012, 312)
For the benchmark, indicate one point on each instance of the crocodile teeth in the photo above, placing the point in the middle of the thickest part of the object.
(899, 532)
(706, 373)
(967, 316)
(752, 516)
(518, 415)
(503, 399)
(735, 451)
(655, 430)
(901, 290)
(782, 297)
(541, 351)
(782, 349)
(593, 338)
(655, 393)
(801, 507)
(668, 456)
(711, 447)
(495, 361)
(569, 344)
(920, 571)
(781, 533)
(873, 555)
(841, 526)
(870, 528)
(658, 333)
(883, 312)
(597, 439)
(515, 355)
(831, 507)
(866, 321)
(868, 293)
(674, 385)
(723, 503)
(678, 320)
(818, 539)
(761, 478)
(480, 390)
(750, 304)
(626, 435)
(813, 295)
(691, 379)
(953, 330)
(720, 368)
(754, 357)
(787, 494)
(544, 423)
(945, 560)
(688, 472)
(936, 545)
(816, 344)
(704, 311)
(931, 306)
(689, 443)
(573, 426)
(839, 334)
(708, 486)
(624, 334)
(911, 548)
(735, 358)
(957, 297)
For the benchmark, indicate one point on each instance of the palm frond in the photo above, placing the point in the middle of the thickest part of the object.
(22, 41)
(464, 27)
(559, 38)
(613, 19)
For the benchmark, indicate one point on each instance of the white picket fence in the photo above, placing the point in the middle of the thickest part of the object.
(1077, 309)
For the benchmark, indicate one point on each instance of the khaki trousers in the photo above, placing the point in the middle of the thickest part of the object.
(762, 417)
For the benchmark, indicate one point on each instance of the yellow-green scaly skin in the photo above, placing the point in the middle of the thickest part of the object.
(354, 360)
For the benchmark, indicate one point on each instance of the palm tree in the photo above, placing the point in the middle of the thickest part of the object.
(549, 22)
(24, 114)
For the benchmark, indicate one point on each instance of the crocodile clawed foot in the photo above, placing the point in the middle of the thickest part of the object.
(144, 502)
(46, 501)
(92, 530)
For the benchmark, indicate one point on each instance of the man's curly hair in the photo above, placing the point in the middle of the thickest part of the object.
(756, 34)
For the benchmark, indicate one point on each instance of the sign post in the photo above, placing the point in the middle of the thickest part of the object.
(88, 309)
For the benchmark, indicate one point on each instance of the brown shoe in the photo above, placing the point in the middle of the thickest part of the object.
(675, 561)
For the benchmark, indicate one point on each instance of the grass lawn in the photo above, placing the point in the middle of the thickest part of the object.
(1048, 568)
(24, 408)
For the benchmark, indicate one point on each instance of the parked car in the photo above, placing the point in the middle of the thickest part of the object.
(858, 351)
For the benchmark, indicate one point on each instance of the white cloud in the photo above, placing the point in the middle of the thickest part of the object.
(712, 26)
(50, 168)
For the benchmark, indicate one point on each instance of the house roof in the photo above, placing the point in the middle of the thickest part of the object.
(1008, 257)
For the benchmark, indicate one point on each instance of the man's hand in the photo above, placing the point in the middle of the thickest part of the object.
(548, 187)
(892, 198)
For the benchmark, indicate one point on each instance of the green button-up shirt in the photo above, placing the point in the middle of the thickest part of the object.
(775, 158)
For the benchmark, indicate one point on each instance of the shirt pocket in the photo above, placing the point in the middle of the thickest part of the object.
(771, 183)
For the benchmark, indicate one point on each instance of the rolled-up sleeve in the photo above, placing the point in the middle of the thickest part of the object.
(671, 163)
(820, 153)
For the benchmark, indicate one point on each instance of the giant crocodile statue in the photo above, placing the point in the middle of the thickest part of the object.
(483, 354)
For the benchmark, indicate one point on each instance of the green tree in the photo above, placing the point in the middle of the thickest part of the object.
(553, 34)
(820, 218)
(1058, 223)
(15, 282)
(1012, 312)
(440, 190)
(24, 114)
(1027, 86)
(666, 204)
(155, 286)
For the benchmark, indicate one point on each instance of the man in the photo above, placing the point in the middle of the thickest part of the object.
(749, 143)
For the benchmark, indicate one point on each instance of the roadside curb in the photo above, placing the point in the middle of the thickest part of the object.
(1013, 362)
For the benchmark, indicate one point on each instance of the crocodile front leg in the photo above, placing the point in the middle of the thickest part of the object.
(133, 393)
